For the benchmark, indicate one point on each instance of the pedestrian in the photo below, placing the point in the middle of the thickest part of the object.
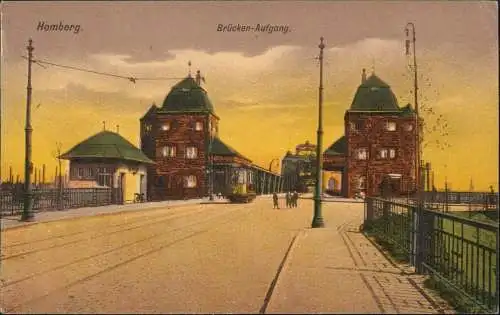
(275, 201)
(295, 199)
(288, 199)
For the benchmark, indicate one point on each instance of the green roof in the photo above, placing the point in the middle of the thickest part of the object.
(339, 147)
(407, 111)
(220, 148)
(107, 145)
(186, 97)
(374, 95)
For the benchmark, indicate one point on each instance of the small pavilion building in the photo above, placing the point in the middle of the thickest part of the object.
(108, 160)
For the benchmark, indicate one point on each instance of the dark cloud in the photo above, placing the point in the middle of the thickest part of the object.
(134, 27)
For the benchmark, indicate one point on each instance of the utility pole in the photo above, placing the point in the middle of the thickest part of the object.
(60, 184)
(318, 218)
(417, 118)
(28, 214)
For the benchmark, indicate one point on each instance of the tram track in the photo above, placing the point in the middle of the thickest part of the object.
(132, 225)
(85, 268)
(145, 213)
(109, 245)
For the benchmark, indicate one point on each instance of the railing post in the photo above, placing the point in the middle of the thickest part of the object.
(369, 212)
(425, 235)
(386, 209)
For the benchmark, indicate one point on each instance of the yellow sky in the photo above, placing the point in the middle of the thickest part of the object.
(267, 100)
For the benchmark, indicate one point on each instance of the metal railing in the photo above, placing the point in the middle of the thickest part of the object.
(12, 202)
(459, 251)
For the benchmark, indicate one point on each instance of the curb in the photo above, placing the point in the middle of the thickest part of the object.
(281, 269)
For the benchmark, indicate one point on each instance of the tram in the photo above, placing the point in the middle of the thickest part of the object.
(242, 186)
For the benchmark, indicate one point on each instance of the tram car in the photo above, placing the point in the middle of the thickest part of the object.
(242, 186)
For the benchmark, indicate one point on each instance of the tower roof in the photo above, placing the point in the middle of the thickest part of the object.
(374, 95)
(107, 145)
(339, 147)
(220, 148)
(187, 96)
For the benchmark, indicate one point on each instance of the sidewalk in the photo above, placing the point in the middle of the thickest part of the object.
(341, 271)
(68, 214)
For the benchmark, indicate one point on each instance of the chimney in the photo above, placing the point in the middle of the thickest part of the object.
(363, 76)
(117, 128)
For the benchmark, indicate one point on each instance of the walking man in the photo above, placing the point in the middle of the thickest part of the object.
(275, 201)
(287, 198)
(295, 199)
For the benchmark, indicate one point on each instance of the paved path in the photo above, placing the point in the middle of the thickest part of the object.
(204, 258)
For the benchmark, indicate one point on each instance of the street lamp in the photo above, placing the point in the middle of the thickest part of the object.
(210, 163)
(28, 214)
(318, 219)
(411, 26)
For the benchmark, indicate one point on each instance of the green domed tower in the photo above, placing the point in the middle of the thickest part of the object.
(177, 136)
(379, 142)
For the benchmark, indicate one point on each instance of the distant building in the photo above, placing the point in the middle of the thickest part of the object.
(182, 137)
(379, 142)
(298, 169)
(106, 159)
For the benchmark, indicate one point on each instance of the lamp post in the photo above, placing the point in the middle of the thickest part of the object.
(28, 214)
(210, 163)
(318, 219)
(411, 26)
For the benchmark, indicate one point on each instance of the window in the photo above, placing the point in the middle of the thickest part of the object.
(391, 126)
(382, 154)
(147, 127)
(356, 125)
(102, 170)
(198, 126)
(392, 153)
(409, 127)
(361, 182)
(191, 152)
(165, 126)
(80, 172)
(190, 181)
(362, 154)
(90, 172)
(104, 180)
(168, 151)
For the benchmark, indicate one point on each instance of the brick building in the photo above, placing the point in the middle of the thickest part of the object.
(379, 142)
(182, 137)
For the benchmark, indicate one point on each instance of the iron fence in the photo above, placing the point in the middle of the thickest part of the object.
(455, 200)
(459, 251)
(12, 202)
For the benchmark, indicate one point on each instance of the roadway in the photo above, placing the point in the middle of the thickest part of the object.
(202, 258)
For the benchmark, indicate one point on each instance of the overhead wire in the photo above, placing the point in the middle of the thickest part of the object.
(132, 79)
